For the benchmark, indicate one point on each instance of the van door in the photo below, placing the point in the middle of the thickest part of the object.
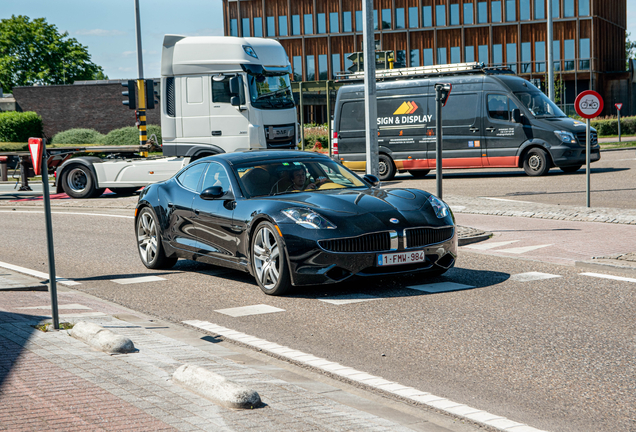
(503, 136)
(229, 125)
(195, 109)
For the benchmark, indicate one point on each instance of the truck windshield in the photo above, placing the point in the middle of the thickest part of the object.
(539, 104)
(270, 92)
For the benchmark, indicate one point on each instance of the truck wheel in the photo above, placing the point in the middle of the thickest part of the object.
(149, 243)
(78, 182)
(124, 191)
(570, 169)
(386, 168)
(419, 173)
(535, 162)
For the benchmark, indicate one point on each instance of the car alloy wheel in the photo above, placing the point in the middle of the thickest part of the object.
(268, 257)
(149, 242)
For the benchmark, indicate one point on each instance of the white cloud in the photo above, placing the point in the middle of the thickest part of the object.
(99, 32)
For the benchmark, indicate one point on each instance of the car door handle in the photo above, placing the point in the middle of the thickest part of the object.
(474, 129)
(491, 129)
(170, 205)
(217, 133)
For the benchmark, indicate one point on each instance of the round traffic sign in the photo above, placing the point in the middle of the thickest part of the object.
(588, 104)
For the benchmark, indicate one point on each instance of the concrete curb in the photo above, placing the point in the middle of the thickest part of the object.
(607, 265)
(101, 338)
(215, 387)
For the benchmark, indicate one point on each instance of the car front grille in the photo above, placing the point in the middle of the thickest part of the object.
(375, 242)
(581, 137)
(418, 237)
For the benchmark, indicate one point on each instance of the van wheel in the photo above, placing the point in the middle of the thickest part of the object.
(535, 162)
(386, 168)
(419, 173)
(570, 169)
(78, 182)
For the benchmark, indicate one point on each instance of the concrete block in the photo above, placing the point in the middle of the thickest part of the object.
(102, 339)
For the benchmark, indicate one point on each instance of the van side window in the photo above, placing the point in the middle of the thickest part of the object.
(497, 107)
(352, 116)
(221, 90)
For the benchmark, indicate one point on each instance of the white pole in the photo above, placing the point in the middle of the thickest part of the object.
(370, 99)
(140, 63)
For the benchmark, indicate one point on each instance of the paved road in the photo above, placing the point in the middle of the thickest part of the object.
(556, 353)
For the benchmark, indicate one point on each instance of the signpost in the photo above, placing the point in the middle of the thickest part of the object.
(442, 90)
(618, 112)
(588, 104)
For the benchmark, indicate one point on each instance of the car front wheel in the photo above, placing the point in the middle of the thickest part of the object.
(269, 260)
(149, 243)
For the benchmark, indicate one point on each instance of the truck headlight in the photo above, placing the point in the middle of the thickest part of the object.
(308, 218)
(566, 137)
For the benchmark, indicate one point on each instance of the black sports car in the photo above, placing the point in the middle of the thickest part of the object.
(292, 218)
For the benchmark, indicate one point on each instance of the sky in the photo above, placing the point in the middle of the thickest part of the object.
(107, 27)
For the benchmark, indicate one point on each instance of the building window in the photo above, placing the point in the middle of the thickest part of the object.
(568, 8)
(539, 56)
(399, 18)
(400, 59)
(233, 27)
(427, 16)
(524, 10)
(310, 68)
(296, 25)
(526, 57)
(469, 54)
(323, 71)
(413, 17)
(584, 7)
(414, 59)
(539, 9)
(482, 12)
(359, 21)
(511, 13)
(483, 54)
(556, 8)
(335, 65)
(496, 11)
(346, 22)
(468, 13)
(441, 56)
(511, 56)
(454, 14)
(298, 68)
(456, 55)
(321, 23)
(334, 26)
(386, 18)
(245, 27)
(440, 15)
(584, 54)
(271, 26)
(258, 27)
(428, 56)
(348, 63)
(375, 19)
(282, 25)
(309, 25)
(568, 54)
(497, 54)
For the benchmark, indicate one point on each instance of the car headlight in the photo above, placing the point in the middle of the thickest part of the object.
(440, 207)
(566, 137)
(308, 218)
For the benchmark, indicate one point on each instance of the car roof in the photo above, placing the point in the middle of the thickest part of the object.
(256, 156)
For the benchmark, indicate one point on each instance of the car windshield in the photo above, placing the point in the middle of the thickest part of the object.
(539, 104)
(276, 178)
(270, 92)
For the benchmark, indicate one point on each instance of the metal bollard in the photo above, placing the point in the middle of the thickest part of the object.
(4, 167)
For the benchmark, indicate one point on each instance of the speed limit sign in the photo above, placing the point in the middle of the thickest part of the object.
(588, 104)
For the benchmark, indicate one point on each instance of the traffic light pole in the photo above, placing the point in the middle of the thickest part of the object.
(370, 98)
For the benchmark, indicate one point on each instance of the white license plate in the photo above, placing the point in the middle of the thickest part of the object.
(401, 258)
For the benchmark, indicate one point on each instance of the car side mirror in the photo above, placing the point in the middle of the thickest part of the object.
(235, 101)
(516, 115)
(213, 192)
(372, 180)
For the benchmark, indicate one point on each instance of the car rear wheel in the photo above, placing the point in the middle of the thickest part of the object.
(78, 182)
(149, 243)
(386, 168)
(571, 169)
(536, 163)
(419, 173)
(269, 260)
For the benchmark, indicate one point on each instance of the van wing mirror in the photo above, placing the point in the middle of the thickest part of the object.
(234, 86)
(516, 115)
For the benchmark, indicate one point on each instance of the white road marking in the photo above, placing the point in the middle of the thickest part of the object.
(507, 200)
(532, 276)
(71, 213)
(140, 279)
(332, 368)
(521, 250)
(349, 298)
(73, 306)
(249, 310)
(489, 245)
(440, 287)
(38, 274)
(458, 208)
(604, 276)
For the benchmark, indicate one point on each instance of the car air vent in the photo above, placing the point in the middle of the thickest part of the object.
(418, 237)
(375, 242)
(581, 137)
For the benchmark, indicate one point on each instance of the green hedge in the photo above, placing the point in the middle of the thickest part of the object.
(311, 139)
(130, 135)
(78, 136)
(19, 126)
(610, 126)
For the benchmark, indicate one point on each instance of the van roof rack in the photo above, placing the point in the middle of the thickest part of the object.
(422, 71)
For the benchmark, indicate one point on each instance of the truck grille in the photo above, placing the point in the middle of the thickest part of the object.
(581, 137)
(418, 237)
(375, 242)
(281, 136)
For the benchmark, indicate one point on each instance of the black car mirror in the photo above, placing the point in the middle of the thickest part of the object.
(235, 101)
(213, 192)
(516, 115)
(234, 85)
(372, 180)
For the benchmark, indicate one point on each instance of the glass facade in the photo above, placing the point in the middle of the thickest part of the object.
(584, 7)
(556, 8)
(497, 54)
(309, 25)
(526, 57)
(296, 25)
(456, 55)
(428, 56)
(511, 56)
(454, 14)
(311, 68)
(282, 25)
(427, 16)
(298, 68)
(483, 54)
(469, 54)
(271, 26)
(524, 10)
(334, 26)
(400, 20)
(539, 9)
(495, 12)
(400, 59)
(413, 21)
(321, 23)
(233, 27)
(568, 54)
(323, 67)
(346, 22)
(335, 65)
(584, 53)
(539, 56)
(440, 15)
(347, 62)
(511, 12)
(568, 8)
(468, 13)
(258, 27)
(359, 21)
(414, 58)
(386, 18)
(441, 56)
(482, 12)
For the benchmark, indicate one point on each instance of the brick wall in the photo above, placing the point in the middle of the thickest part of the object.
(93, 106)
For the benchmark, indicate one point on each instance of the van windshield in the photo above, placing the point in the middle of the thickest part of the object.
(270, 92)
(539, 104)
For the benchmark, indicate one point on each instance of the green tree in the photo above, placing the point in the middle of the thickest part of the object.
(34, 52)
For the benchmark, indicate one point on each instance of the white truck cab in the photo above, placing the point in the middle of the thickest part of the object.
(225, 94)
